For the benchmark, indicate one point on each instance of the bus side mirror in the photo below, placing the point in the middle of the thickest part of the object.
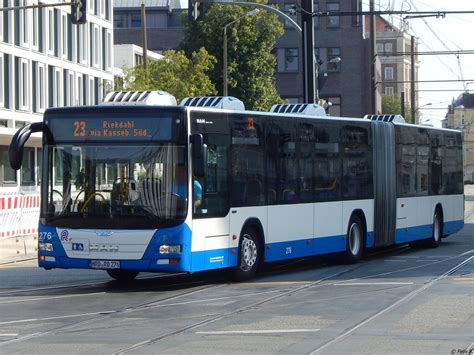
(198, 154)
(15, 150)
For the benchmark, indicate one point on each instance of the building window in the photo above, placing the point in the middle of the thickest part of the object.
(39, 83)
(316, 18)
(80, 90)
(388, 73)
(22, 83)
(334, 105)
(108, 7)
(95, 45)
(82, 44)
(2, 71)
(120, 21)
(333, 21)
(290, 10)
(329, 59)
(91, 95)
(51, 32)
(388, 47)
(65, 36)
(136, 20)
(1, 26)
(388, 90)
(28, 167)
(69, 88)
(138, 59)
(24, 30)
(54, 86)
(287, 59)
(7, 174)
(380, 47)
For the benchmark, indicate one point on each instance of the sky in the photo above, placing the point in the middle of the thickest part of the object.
(453, 33)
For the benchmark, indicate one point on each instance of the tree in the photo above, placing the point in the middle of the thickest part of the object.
(251, 63)
(174, 73)
(392, 105)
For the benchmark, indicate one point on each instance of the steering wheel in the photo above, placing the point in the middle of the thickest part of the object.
(89, 199)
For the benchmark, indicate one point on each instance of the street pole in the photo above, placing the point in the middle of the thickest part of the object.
(373, 60)
(145, 44)
(412, 80)
(402, 103)
(224, 70)
(309, 82)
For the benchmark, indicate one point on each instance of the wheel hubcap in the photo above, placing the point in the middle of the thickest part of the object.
(436, 229)
(354, 238)
(249, 253)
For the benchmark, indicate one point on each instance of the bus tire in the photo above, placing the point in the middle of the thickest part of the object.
(355, 239)
(250, 255)
(123, 275)
(437, 233)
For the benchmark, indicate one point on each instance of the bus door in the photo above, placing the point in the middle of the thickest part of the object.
(211, 241)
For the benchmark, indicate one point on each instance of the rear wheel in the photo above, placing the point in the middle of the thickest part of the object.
(435, 240)
(354, 240)
(123, 275)
(249, 255)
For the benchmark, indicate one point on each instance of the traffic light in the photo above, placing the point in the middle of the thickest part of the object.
(195, 10)
(78, 12)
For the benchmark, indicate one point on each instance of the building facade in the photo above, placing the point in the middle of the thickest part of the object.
(461, 116)
(394, 52)
(45, 61)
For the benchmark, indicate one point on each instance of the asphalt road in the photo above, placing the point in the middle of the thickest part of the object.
(398, 301)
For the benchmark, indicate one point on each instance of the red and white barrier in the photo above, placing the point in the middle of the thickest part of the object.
(19, 214)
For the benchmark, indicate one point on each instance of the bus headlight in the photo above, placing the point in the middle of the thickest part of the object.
(170, 249)
(45, 246)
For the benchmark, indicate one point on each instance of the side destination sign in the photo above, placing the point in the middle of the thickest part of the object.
(89, 129)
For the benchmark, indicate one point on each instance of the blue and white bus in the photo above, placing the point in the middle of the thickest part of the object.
(257, 186)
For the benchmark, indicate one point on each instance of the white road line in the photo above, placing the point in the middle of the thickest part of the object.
(9, 335)
(372, 283)
(46, 298)
(468, 252)
(58, 317)
(252, 332)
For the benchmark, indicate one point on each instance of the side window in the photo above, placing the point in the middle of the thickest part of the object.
(327, 163)
(436, 163)
(406, 161)
(422, 157)
(453, 164)
(305, 162)
(28, 167)
(247, 162)
(357, 162)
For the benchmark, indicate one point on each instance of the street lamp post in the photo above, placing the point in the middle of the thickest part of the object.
(224, 48)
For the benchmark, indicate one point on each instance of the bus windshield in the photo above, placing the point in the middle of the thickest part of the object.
(115, 186)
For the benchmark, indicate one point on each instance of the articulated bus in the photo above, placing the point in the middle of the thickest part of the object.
(142, 184)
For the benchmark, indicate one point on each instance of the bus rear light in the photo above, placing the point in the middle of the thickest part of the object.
(46, 258)
(174, 261)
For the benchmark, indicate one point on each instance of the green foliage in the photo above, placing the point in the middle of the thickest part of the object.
(175, 73)
(251, 63)
(392, 105)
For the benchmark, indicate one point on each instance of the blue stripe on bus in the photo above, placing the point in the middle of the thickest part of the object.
(405, 235)
(227, 257)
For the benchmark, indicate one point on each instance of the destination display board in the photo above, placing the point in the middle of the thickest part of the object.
(115, 128)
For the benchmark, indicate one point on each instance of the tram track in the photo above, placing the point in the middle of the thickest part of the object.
(171, 301)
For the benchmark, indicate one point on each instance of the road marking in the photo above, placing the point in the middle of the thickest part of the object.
(274, 283)
(392, 306)
(470, 279)
(396, 261)
(468, 252)
(372, 283)
(46, 298)
(9, 335)
(252, 332)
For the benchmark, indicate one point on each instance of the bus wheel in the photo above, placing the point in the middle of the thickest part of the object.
(123, 275)
(435, 240)
(354, 240)
(249, 255)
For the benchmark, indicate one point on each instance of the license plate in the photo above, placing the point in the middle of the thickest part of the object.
(105, 264)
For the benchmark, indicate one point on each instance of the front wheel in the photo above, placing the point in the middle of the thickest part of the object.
(354, 240)
(123, 275)
(249, 256)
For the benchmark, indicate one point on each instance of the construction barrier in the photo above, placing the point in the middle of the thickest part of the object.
(19, 214)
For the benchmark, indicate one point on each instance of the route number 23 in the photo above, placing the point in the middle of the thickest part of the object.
(79, 128)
